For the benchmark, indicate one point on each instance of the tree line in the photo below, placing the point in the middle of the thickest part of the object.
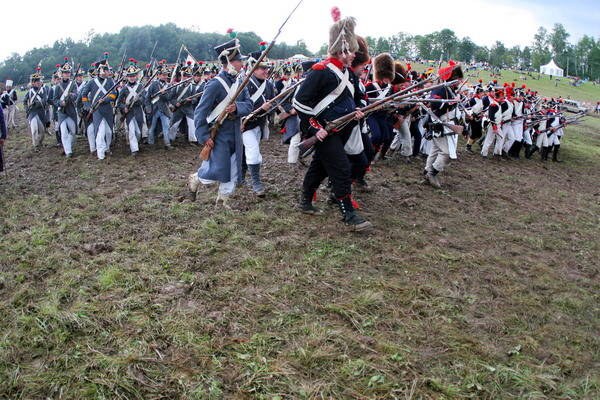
(134, 42)
(579, 59)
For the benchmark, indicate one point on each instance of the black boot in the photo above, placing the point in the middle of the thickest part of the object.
(306, 205)
(544, 153)
(515, 150)
(555, 153)
(257, 185)
(527, 148)
(243, 174)
(532, 149)
(350, 217)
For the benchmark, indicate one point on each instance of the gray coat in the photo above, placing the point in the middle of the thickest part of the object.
(163, 100)
(229, 138)
(178, 94)
(135, 107)
(36, 103)
(70, 99)
(91, 94)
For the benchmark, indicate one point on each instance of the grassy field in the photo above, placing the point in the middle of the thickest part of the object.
(113, 287)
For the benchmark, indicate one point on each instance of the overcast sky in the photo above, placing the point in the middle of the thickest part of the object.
(37, 23)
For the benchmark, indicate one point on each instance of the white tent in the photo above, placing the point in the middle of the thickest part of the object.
(551, 69)
(298, 57)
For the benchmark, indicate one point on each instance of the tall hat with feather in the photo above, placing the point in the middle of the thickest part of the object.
(230, 50)
(103, 65)
(383, 67)
(37, 75)
(132, 69)
(66, 66)
(341, 34)
(255, 55)
(188, 69)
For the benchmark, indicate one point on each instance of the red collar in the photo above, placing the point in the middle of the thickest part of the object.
(335, 62)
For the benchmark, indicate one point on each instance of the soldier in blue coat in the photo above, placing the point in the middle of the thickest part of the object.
(129, 102)
(65, 99)
(225, 162)
(157, 105)
(261, 91)
(36, 108)
(87, 126)
(98, 97)
(182, 108)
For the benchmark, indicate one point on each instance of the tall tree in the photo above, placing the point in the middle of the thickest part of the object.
(466, 49)
(498, 54)
(558, 43)
(540, 52)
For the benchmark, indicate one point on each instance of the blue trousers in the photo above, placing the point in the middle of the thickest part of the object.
(164, 121)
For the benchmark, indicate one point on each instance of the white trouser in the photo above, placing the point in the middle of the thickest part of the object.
(134, 134)
(265, 131)
(37, 131)
(527, 136)
(293, 152)
(542, 140)
(103, 139)
(225, 188)
(509, 136)
(490, 138)
(251, 139)
(439, 156)
(91, 135)
(191, 135)
(144, 128)
(518, 130)
(425, 145)
(554, 139)
(10, 116)
(67, 135)
(403, 138)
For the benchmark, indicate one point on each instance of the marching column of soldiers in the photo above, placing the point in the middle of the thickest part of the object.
(354, 111)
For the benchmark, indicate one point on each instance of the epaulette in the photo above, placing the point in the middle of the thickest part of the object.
(320, 66)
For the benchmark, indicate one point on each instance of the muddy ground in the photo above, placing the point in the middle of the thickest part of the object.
(113, 287)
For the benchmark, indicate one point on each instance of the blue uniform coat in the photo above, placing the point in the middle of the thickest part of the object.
(229, 139)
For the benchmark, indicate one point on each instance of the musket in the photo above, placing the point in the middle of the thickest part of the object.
(153, 48)
(553, 129)
(306, 146)
(189, 98)
(120, 75)
(162, 91)
(95, 106)
(136, 96)
(277, 100)
(68, 88)
(176, 63)
(456, 129)
(214, 130)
